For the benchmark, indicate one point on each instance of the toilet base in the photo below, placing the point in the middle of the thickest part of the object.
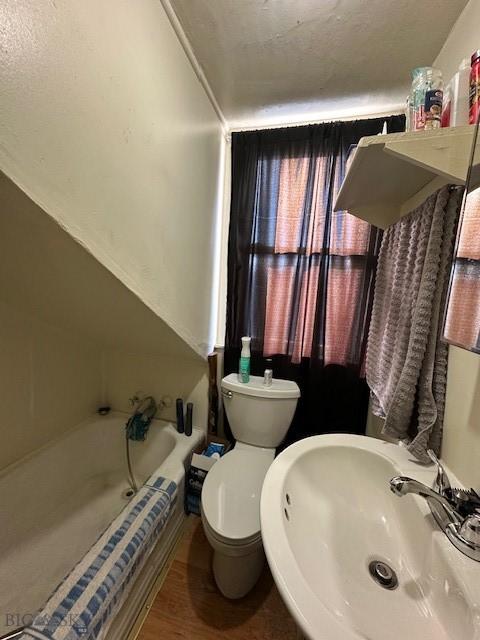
(237, 575)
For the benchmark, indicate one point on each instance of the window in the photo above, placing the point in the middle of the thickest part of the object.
(309, 242)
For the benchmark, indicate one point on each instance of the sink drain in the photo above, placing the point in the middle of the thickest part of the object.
(383, 575)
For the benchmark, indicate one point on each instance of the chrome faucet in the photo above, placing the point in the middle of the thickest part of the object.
(402, 486)
(445, 502)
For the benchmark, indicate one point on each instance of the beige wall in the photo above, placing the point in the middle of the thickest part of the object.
(463, 40)
(461, 442)
(51, 372)
(461, 438)
(126, 373)
(105, 125)
(63, 320)
(50, 380)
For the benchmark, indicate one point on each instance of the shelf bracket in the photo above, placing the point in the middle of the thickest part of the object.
(446, 156)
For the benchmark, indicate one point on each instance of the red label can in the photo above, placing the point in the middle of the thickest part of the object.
(475, 88)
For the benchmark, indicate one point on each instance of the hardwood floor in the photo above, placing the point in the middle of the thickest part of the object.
(189, 606)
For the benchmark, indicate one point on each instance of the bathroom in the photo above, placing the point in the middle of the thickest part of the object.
(239, 319)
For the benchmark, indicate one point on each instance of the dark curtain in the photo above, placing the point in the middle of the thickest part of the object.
(300, 277)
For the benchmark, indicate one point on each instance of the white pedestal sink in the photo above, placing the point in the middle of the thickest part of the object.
(327, 512)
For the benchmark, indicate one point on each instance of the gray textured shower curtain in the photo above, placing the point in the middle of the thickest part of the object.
(406, 359)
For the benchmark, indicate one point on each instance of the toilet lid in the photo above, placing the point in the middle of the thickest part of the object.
(231, 494)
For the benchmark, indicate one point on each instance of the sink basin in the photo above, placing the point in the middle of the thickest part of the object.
(327, 513)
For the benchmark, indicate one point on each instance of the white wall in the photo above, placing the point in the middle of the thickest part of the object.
(105, 125)
(462, 41)
(47, 281)
(461, 440)
(51, 373)
(50, 380)
(126, 373)
(461, 437)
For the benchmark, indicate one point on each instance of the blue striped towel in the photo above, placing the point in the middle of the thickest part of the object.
(89, 596)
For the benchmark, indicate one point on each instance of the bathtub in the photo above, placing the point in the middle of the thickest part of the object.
(57, 501)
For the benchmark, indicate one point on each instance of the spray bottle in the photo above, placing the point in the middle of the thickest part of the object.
(244, 367)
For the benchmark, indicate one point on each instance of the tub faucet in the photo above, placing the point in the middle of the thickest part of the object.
(137, 429)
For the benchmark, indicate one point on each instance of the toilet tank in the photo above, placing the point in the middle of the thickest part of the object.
(259, 415)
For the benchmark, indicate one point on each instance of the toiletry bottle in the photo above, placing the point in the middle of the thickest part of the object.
(180, 420)
(433, 98)
(447, 106)
(189, 419)
(408, 117)
(475, 87)
(244, 367)
(268, 373)
(417, 99)
(460, 84)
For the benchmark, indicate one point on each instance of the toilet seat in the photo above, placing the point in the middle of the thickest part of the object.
(231, 496)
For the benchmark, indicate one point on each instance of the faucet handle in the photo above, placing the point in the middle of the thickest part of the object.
(466, 536)
(441, 483)
(470, 529)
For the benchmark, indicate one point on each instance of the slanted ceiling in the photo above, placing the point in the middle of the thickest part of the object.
(44, 271)
(275, 61)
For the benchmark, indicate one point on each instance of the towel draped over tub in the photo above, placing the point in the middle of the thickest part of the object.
(85, 602)
(406, 360)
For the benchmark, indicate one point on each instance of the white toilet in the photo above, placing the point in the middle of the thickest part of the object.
(259, 416)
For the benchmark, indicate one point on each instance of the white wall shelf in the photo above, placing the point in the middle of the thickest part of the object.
(392, 174)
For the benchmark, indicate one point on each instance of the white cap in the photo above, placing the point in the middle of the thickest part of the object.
(246, 346)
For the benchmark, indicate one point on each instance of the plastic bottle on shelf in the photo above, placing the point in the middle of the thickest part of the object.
(475, 87)
(433, 98)
(447, 105)
(417, 99)
(426, 98)
(456, 97)
(408, 115)
(460, 85)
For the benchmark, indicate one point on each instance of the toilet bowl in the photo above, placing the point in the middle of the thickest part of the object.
(259, 417)
(231, 517)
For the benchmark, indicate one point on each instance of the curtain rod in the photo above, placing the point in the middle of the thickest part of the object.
(305, 123)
